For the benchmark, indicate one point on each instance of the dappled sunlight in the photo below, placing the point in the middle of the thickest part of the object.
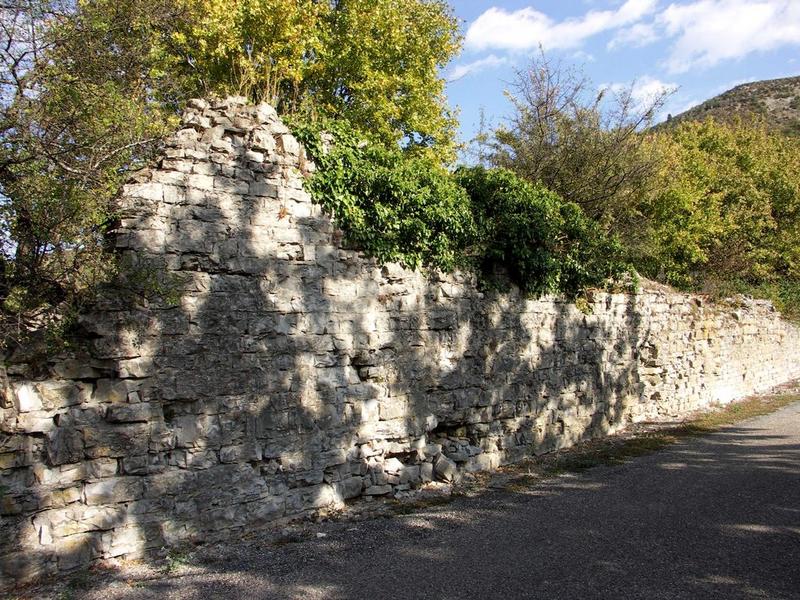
(635, 528)
(292, 374)
(754, 528)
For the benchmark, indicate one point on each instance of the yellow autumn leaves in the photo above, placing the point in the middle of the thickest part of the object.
(373, 62)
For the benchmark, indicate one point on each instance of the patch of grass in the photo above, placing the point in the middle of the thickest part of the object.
(175, 560)
(741, 411)
(407, 508)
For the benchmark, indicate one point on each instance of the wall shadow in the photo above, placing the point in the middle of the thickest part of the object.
(713, 517)
(288, 375)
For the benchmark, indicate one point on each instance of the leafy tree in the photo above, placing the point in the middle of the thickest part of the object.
(373, 62)
(263, 49)
(382, 70)
(86, 99)
(584, 144)
(725, 213)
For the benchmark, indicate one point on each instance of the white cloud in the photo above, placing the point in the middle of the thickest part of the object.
(527, 28)
(648, 89)
(466, 69)
(637, 36)
(644, 91)
(708, 32)
(584, 57)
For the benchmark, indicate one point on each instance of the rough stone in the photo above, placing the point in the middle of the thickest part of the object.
(290, 373)
(129, 413)
(445, 469)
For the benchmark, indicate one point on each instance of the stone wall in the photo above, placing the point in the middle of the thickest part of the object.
(290, 374)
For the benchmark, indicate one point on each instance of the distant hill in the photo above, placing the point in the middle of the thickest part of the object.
(776, 100)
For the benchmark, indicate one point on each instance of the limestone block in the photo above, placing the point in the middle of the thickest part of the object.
(426, 472)
(288, 145)
(411, 474)
(35, 422)
(445, 469)
(111, 441)
(8, 460)
(144, 191)
(26, 566)
(129, 413)
(60, 497)
(28, 397)
(110, 491)
(232, 454)
(393, 466)
(169, 483)
(393, 408)
(263, 189)
(196, 120)
(64, 444)
(129, 540)
(350, 487)
(262, 140)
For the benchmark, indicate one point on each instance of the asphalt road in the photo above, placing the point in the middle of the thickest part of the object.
(714, 517)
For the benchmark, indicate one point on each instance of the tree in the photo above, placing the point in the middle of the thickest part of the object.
(86, 99)
(583, 143)
(382, 72)
(725, 211)
(373, 62)
(263, 49)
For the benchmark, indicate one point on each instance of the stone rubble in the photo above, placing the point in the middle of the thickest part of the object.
(289, 374)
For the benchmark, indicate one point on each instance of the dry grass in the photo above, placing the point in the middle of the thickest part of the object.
(619, 449)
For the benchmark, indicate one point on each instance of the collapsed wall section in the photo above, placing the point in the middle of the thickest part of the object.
(286, 374)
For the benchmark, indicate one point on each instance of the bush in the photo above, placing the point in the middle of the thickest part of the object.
(394, 205)
(403, 207)
(726, 214)
(542, 243)
(727, 206)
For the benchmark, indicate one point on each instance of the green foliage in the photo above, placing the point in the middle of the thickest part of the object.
(85, 113)
(394, 205)
(584, 145)
(375, 63)
(257, 48)
(401, 206)
(726, 213)
(382, 70)
(544, 244)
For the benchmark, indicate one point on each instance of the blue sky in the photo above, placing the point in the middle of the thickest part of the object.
(698, 47)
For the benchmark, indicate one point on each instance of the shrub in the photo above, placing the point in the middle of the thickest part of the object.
(542, 243)
(727, 206)
(401, 206)
(726, 214)
(393, 205)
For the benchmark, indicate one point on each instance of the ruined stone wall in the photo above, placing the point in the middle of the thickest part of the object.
(290, 374)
